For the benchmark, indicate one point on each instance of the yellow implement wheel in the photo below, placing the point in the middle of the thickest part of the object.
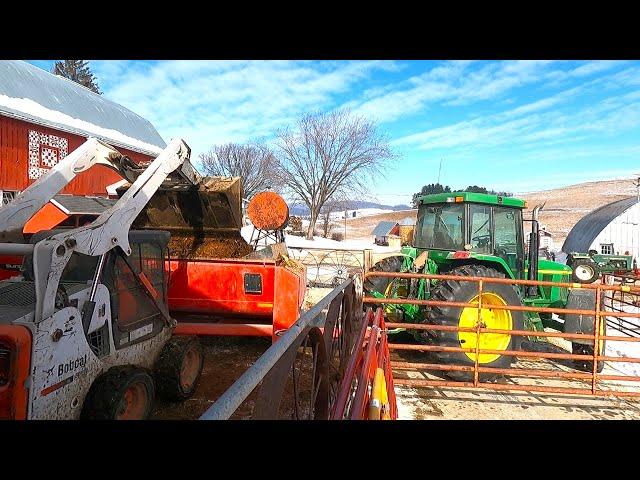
(498, 319)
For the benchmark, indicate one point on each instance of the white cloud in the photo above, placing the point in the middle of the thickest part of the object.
(209, 102)
(456, 84)
(533, 123)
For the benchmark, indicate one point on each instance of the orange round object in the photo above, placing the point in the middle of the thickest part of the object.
(268, 211)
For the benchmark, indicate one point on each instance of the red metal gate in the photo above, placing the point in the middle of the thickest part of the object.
(567, 380)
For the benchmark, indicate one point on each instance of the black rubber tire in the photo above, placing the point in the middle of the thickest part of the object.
(168, 367)
(587, 263)
(106, 394)
(457, 291)
(585, 365)
(380, 284)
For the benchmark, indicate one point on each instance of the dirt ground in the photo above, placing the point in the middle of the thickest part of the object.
(226, 358)
(452, 403)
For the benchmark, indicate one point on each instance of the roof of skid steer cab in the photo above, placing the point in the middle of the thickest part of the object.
(459, 197)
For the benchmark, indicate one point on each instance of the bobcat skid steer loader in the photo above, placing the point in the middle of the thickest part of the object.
(85, 331)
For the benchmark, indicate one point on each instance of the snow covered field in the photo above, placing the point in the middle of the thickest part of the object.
(294, 241)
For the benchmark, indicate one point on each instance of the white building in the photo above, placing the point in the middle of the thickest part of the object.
(611, 229)
(546, 239)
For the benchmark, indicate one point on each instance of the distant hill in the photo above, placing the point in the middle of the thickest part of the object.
(564, 206)
(302, 210)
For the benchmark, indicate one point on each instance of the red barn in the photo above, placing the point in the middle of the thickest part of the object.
(44, 117)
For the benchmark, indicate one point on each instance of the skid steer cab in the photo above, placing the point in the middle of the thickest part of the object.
(105, 349)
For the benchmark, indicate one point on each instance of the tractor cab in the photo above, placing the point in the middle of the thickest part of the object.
(472, 225)
(464, 227)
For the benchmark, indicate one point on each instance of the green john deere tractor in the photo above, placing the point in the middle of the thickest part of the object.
(480, 235)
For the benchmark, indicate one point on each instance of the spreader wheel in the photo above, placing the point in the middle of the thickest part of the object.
(178, 368)
(122, 393)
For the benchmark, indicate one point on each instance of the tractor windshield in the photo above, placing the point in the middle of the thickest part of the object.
(440, 227)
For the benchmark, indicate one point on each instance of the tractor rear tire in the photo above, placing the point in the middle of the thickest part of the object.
(122, 393)
(584, 270)
(380, 284)
(466, 292)
(178, 368)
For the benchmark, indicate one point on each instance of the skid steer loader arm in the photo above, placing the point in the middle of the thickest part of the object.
(16, 214)
(110, 229)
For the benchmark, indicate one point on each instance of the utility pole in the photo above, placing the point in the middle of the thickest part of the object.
(636, 182)
(439, 170)
(345, 223)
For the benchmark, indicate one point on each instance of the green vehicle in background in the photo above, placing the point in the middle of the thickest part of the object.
(587, 267)
(479, 235)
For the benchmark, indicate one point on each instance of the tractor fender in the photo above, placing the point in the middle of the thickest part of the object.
(580, 323)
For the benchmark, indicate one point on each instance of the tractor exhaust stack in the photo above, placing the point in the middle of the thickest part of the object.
(534, 238)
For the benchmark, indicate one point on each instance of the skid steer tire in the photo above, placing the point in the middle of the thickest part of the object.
(467, 292)
(178, 368)
(122, 393)
(584, 270)
(380, 284)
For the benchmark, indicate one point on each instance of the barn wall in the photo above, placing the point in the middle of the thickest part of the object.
(14, 158)
(623, 232)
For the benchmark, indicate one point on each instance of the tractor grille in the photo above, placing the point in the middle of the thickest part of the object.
(18, 294)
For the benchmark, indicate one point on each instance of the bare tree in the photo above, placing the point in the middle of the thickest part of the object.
(253, 162)
(330, 155)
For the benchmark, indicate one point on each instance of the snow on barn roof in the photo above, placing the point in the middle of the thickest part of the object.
(35, 95)
(589, 227)
(383, 229)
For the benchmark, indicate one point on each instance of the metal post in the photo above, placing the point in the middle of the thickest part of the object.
(596, 341)
(478, 326)
(96, 277)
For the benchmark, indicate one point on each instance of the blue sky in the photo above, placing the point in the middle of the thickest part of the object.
(512, 125)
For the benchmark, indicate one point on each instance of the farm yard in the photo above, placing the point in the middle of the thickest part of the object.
(346, 240)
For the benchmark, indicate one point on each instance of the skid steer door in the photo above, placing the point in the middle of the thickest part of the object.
(138, 288)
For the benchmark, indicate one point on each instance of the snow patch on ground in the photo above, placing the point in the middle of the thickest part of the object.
(34, 109)
(622, 349)
(322, 243)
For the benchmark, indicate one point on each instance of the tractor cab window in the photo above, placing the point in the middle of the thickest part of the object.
(440, 227)
(606, 248)
(480, 228)
(506, 243)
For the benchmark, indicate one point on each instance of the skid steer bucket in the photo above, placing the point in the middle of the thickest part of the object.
(203, 217)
